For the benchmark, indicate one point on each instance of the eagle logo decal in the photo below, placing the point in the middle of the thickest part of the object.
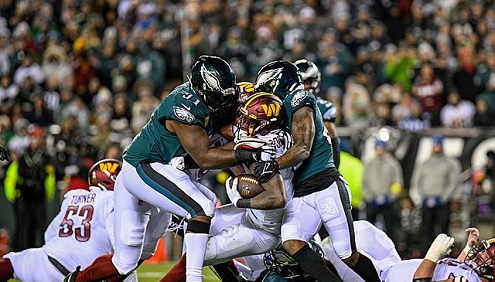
(210, 80)
(183, 114)
(298, 97)
(270, 78)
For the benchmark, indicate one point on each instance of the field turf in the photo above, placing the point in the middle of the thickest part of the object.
(155, 272)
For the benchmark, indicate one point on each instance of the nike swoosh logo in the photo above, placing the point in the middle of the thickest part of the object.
(186, 107)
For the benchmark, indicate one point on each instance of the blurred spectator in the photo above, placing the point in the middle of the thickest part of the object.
(20, 141)
(428, 90)
(484, 114)
(356, 105)
(382, 185)
(398, 64)
(6, 130)
(333, 60)
(417, 121)
(51, 94)
(150, 65)
(28, 90)
(29, 186)
(235, 50)
(457, 113)
(39, 114)
(121, 118)
(433, 184)
(102, 106)
(55, 63)
(29, 68)
(463, 77)
(143, 108)
(8, 93)
(113, 151)
(264, 49)
(108, 63)
(403, 109)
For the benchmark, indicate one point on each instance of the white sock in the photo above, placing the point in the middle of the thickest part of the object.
(196, 248)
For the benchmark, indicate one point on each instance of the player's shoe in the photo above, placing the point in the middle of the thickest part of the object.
(71, 277)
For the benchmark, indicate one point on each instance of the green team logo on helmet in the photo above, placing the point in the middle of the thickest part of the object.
(214, 81)
(279, 78)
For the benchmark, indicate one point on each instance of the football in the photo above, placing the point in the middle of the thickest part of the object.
(248, 186)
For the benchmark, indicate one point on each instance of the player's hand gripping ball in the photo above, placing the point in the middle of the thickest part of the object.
(248, 186)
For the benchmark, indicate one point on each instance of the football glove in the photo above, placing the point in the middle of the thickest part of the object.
(265, 152)
(440, 247)
(231, 190)
(4, 154)
(265, 170)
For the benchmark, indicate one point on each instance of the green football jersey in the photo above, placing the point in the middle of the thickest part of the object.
(321, 156)
(155, 143)
(327, 109)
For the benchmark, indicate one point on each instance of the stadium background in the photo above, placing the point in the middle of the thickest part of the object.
(91, 72)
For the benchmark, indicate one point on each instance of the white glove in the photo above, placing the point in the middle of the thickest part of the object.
(178, 163)
(440, 246)
(231, 190)
(249, 143)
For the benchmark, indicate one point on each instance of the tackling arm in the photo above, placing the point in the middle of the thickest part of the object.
(197, 144)
(332, 131)
(303, 133)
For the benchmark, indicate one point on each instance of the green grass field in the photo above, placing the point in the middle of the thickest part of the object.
(155, 272)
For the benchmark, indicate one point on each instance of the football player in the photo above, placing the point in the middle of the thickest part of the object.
(81, 231)
(311, 77)
(370, 241)
(321, 194)
(255, 228)
(475, 262)
(150, 189)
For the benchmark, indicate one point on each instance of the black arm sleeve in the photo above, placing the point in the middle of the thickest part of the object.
(336, 151)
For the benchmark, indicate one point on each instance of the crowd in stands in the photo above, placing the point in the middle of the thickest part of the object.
(91, 72)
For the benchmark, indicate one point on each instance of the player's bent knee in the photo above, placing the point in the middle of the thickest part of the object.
(124, 267)
(292, 246)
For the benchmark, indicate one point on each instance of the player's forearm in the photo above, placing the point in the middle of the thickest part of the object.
(217, 157)
(273, 197)
(424, 270)
(266, 200)
(294, 156)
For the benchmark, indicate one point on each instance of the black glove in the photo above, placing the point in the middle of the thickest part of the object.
(265, 170)
(247, 156)
(4, 154)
